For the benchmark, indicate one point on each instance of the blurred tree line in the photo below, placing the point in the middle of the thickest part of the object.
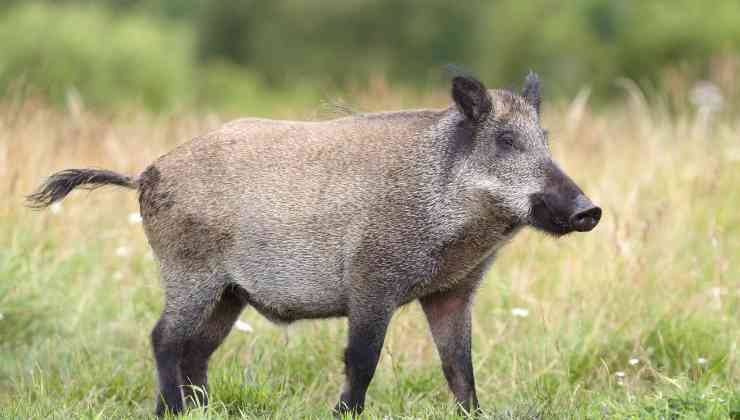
(165, 53)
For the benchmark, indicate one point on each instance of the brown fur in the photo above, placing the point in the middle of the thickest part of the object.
(349, 217)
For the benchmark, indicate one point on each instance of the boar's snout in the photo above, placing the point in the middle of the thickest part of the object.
(585, 216)
(558, 215)
(562, 207)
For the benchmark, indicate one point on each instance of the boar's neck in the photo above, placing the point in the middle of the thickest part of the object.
(463, 230)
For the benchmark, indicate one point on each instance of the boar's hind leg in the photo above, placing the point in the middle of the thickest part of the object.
(190, 298)
(199, 348)
(368, 322)
(448, 314)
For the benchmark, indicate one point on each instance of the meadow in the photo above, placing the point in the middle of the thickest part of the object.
(637, 319)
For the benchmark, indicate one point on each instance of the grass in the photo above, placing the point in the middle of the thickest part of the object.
(657, 282)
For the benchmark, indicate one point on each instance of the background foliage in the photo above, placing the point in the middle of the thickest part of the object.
(231, 53)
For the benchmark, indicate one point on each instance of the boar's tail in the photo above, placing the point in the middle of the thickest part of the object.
(58, 185)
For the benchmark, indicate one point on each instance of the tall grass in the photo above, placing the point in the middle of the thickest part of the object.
(637, 319)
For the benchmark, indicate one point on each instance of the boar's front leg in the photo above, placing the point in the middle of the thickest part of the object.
(368, 321)
(448, 314)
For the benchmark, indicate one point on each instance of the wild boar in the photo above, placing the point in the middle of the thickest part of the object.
(352, 217)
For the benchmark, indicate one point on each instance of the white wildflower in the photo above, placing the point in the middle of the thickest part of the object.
(134, 218)
(243, 326)
(717, 292)
(701, 361)
(633, 361)
(123, 251)
(56, 208)
(619, 375)
(706, 95)
(520, 312)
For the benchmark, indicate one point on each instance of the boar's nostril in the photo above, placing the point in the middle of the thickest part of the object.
(585, 220)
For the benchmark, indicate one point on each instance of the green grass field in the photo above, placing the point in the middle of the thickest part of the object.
(638, 319)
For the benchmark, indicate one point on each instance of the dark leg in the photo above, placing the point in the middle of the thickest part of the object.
(190, 300)
(167, 354)
(448, 314)
(367, 326)
(200, 348)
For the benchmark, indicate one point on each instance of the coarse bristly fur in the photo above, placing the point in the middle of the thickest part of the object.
(349, 217)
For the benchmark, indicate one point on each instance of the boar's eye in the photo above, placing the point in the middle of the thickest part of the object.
(505, 138)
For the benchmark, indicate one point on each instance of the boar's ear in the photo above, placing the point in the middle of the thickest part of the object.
(471, 98)
(531, 90)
